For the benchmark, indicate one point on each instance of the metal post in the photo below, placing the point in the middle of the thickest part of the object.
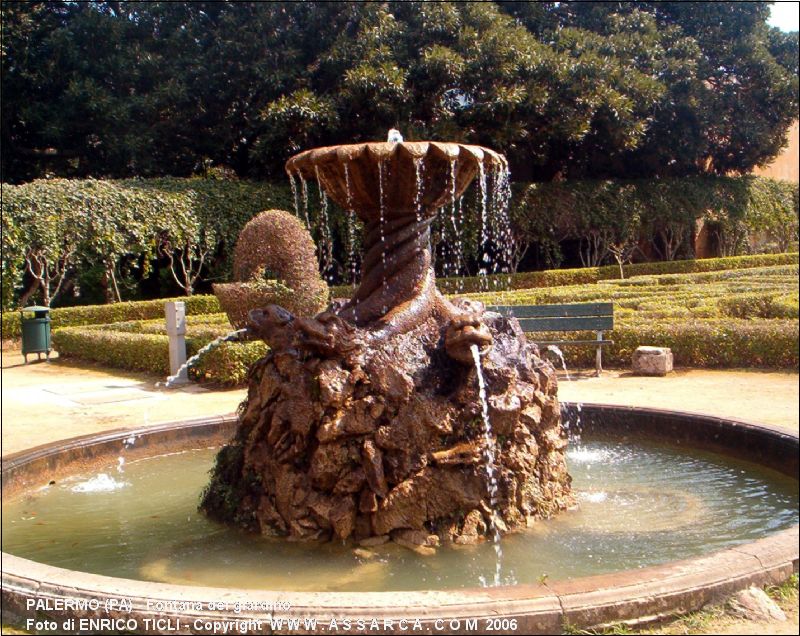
(175, 312)
(599, 355)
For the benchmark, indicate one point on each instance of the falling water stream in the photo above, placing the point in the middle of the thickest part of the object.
(173, 379)
(572, 426)
(295, 195)
(483, 271)
(382, 205)
(489, 454)
(325, 240)
(418, 184)
(304, 192)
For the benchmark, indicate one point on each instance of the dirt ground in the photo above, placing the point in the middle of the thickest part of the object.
(43, 402)
(767, 397)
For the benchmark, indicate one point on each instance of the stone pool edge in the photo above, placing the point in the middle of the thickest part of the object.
(631, 596)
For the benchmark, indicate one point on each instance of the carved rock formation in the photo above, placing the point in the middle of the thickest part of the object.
(342, 440)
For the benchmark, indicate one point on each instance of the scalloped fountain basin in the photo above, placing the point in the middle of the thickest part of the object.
(654, 487)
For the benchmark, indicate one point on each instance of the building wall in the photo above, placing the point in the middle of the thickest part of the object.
(787, 164)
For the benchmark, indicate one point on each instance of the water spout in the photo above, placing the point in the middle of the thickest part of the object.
(394, 136)
(489, 454)
(172, 379)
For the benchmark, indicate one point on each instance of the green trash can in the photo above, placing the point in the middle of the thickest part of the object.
(35, 331)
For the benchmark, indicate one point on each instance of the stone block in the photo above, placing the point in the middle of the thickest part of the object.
(652, 361)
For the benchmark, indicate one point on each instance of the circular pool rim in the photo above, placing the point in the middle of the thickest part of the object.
(631, 596)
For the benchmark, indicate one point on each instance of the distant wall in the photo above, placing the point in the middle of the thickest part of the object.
(786, 165)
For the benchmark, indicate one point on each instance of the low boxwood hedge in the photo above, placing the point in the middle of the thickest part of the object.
(118, 349)
(227, 365)
(114, 312)
(715, 343)
(590, 275)
(207, 303)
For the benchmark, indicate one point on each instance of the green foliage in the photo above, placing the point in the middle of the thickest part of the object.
(590, 275)
(199, 305)
(744, 317)
(759, 305)
(122, 348)
(581, 90)
(727, 318)
(601, 214)
(56, 226)
(769, 344)
(113, 313)
(229, 363)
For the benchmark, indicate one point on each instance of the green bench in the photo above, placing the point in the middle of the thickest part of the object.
(597, 317)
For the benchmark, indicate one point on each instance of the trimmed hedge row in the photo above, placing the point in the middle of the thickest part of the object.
(227, 365)
(720, 343)
(118, 349)
(769, 344)
(208, 304)
(588, 275)
(115, 312)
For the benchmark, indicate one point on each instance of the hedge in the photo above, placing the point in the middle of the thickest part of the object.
(731, 343)
(114, 312)
(102, 221)
(653, 209)
(590, 275)
(121, 350)
(721, 343)
(205, 304)
(227, 365)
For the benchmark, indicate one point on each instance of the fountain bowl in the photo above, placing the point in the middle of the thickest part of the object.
(416, 174)
(633, 596)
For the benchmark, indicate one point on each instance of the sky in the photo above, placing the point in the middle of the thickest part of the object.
(785, 15)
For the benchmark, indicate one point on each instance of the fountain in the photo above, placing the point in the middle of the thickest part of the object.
(399, 421)
(366, 421)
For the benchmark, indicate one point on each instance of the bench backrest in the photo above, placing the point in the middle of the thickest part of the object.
(574, 317)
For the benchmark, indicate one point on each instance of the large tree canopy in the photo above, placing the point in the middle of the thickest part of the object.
(600, 89)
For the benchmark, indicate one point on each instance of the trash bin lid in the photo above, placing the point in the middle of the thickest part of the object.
(36, 308)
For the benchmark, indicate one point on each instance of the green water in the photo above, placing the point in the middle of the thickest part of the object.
(640, 505)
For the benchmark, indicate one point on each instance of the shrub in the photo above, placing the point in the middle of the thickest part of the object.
(759, 305)
(228, 364)
(589, 275)
(115, 312)
(140, 352)
(92, 222)
(278, 243)
(700, 265)
(237, 299)
(600, 213)
(712, 343)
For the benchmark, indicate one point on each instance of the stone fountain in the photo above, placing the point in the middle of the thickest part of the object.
(364, 422)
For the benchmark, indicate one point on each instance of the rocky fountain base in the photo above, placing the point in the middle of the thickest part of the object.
(387, 442)
(366, 422)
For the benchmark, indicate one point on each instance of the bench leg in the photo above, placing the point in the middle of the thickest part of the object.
(599, 355)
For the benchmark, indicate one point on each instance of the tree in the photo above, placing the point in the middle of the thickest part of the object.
(566, 90)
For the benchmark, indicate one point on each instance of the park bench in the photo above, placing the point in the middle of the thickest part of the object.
(597, 317)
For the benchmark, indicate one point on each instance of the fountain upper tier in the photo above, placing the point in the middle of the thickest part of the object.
(361, 177)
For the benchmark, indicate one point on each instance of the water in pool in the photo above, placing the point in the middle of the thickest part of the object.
(640, 504)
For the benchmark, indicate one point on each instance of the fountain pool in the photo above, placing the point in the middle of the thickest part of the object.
(667, 502)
